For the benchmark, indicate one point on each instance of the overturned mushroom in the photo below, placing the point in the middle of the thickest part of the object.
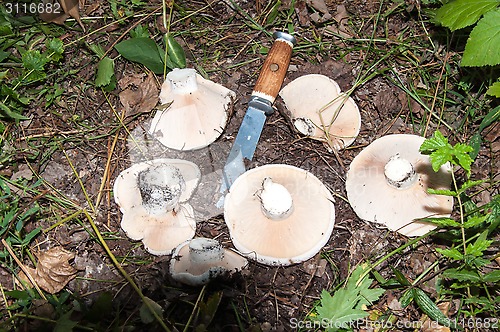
(153, 196)
(387, 183)
(197, 114)
(319, 110)
(279, 214)
(200, 260)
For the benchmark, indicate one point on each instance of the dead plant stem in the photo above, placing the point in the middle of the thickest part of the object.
(123, 272)
(431, 110)
(195, 308)
(25, 270)
(107, 172)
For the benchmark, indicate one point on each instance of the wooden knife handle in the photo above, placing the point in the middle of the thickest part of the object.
(275, 67)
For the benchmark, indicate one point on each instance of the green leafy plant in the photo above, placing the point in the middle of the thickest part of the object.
(413, 293)
(25, 69)
(348, 303)
(147, 52)
(13, 219)
(142, 49)
(482, 45)
(469, 274)
(105, 77)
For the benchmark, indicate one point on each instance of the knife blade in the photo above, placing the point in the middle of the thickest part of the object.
(263, 95)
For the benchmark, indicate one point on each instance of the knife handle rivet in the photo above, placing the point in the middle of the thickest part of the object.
(274, 67)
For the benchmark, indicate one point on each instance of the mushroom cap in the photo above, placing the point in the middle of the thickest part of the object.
(194, 119)
(307, 98)
(215, 260)
(290, 240)
(160, 232)
(374, 199)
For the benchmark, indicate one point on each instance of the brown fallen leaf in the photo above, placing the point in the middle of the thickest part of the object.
(139, 93)
(302, 14)
(53, 271)
(319, 5)
(70, 8)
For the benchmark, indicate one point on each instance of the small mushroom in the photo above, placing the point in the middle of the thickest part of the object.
(279, 214)
(153, 196)
(387, 183)
(197, 114)
(320, 111)
(200, 260)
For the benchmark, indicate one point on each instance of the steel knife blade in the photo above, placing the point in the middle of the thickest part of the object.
(263, 95)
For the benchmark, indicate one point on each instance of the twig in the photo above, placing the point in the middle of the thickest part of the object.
(435, 93)
(25, 270)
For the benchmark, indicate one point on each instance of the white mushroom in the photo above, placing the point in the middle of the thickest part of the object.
(197, 114)
(153, 196)
(387, 183)
(200, 260)
(279, 214)
(319, 110)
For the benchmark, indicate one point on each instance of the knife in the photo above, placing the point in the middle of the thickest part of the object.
(263, 95)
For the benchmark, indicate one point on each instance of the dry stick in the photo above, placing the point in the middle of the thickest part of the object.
(25, 270)
(108, 185)
(436, 92)
(392, 122)
(313, 274)
(123, 272)
(106, 174)
(123, 124)
(53, 133)
(5, 300)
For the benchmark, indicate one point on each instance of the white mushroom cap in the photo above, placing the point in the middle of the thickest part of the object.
(152, 196)
(279, 214)
(200, 260)
(198, 113)
(319, 110)
(160, 234)
(387, 183)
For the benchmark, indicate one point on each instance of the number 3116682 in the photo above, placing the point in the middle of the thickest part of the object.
(33, 8)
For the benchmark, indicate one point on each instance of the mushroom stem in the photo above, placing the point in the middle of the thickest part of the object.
(160, 187)
(399, 172)
(203, 250)
(276, 201)
(183, 81)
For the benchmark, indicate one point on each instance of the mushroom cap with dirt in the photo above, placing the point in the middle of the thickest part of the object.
(279, 214)
(319, 110)
(196, 111)
(387, 183)
(200, 260)
(152, 196)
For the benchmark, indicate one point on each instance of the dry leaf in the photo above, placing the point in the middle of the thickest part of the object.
(53, 271)
(302, 14)
(319, 5)
(139, 93)
(69, 8)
